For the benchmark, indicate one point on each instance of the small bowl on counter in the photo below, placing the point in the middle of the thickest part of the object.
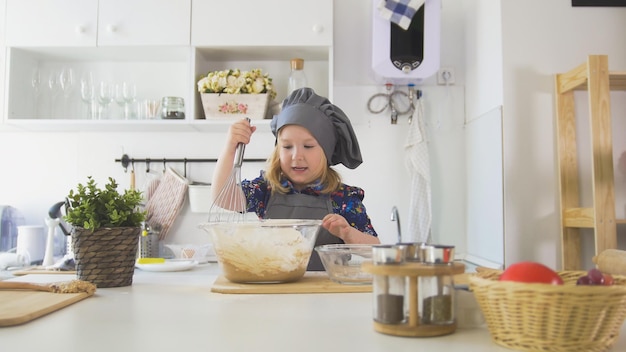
(343, 262)
(267, 251)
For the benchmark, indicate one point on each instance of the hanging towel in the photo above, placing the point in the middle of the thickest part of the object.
(417, 163)
(400, 12)
(163, 207)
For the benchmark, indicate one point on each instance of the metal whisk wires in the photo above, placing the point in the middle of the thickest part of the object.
(230, 204)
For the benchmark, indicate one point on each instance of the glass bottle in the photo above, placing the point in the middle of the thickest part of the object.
(297, 78)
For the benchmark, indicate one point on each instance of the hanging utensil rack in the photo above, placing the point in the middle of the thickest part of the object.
(126, 160)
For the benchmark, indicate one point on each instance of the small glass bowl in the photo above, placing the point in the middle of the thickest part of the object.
(343, 262)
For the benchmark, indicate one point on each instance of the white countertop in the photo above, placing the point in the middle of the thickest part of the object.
(176, 311)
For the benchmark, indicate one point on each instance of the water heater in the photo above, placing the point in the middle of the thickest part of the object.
(406, 56)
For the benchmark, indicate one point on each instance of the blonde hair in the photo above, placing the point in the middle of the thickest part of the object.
(329, 179)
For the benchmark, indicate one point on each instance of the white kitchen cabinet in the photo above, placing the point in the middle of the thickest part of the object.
(163, 46)
(36, 23)
(71, 23)
(144, 22)
(262, 23)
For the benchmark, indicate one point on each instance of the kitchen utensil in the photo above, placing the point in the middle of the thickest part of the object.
(268, 251)
(74, 286)
(230, 203)
(343, 262)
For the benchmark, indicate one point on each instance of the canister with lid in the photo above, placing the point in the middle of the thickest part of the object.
(172, 108)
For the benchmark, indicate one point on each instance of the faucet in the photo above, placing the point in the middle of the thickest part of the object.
(395, 216)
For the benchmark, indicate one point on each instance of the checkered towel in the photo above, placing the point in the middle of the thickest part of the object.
(400, 12)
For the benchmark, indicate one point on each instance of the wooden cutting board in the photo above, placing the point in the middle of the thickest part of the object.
(21, 306)
(42, 271)
(312, 282)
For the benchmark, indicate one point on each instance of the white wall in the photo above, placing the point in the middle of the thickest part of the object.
(539, 39)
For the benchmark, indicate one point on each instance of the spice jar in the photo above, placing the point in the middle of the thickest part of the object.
(389, 291)
(436, 292)
(172, 108)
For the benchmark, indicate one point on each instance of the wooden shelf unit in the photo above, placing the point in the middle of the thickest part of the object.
(593, 76)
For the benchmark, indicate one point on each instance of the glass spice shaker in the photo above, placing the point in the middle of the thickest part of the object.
(436, 299)
(389, 291)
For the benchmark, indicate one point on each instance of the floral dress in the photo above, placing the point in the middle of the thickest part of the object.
(347, 201)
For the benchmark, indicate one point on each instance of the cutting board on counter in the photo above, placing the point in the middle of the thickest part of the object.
(21, 306)
(42, 271)
(312, 282)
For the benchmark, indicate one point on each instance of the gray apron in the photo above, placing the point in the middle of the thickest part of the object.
(303, 206)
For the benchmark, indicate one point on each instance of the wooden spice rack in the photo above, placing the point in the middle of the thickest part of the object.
(413, 327)
(593, 76)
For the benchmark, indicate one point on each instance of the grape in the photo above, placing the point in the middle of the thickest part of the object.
(596, 276)
(608, 280)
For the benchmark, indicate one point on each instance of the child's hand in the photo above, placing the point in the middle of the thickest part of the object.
(240, 132)
(337, 225)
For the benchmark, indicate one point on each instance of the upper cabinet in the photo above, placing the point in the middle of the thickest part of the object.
(262, 23)
(144, 22)
(72, 23)
(33, 23)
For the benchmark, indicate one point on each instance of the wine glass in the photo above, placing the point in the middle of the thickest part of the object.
(66, 83)
(125, 94)
(129, 92)
(119, 97)
(53, 86)
(88, 94)
(105, 97)
(35, 82)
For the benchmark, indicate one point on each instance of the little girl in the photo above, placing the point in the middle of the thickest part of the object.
(312, 134)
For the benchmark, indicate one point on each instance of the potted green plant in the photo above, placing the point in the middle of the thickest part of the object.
(106, 226)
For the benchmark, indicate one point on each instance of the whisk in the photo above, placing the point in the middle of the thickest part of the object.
(230, 203)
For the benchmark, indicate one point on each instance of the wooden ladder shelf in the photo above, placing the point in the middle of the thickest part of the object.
(593, 76)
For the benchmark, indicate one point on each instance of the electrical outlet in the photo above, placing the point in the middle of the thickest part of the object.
(445, 75)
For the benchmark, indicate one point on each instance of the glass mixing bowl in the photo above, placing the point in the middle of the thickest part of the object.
(343, 262)
(267, 251)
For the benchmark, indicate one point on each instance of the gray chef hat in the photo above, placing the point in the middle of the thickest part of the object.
(327, 123)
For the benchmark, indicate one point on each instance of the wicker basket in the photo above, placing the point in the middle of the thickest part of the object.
(106, 257)
(540, 317)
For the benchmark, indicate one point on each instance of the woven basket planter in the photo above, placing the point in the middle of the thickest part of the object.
(106, 257)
